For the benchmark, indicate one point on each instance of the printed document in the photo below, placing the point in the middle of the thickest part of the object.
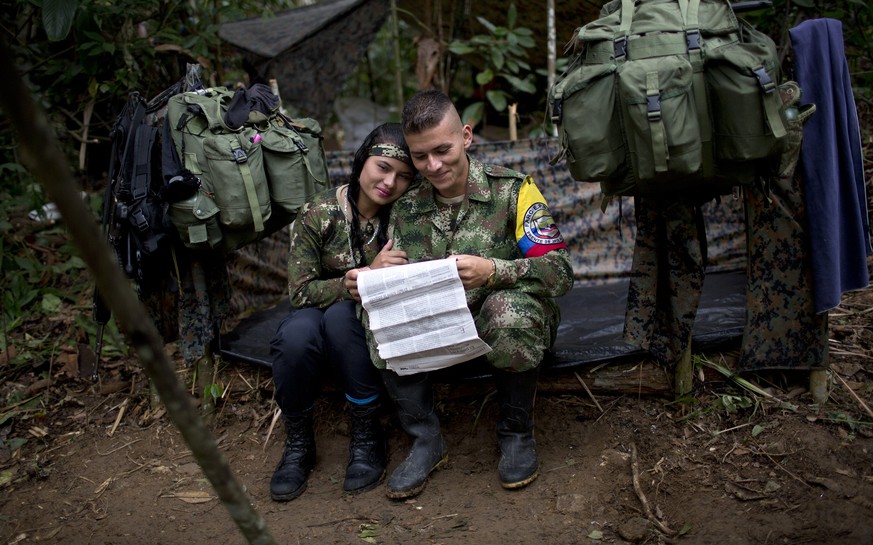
(419, 316)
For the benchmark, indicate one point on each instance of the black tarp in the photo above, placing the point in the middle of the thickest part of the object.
(592, 320)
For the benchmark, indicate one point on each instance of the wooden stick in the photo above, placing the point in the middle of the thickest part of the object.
(639, 490)
(852, 392)
(582, 382)
(118, 417)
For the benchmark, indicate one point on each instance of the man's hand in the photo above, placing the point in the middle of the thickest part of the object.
(388, 257)
(473, 270)
(350, 282)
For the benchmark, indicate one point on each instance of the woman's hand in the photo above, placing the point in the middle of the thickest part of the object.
(473, 270)
(388, 257)
(350, 282)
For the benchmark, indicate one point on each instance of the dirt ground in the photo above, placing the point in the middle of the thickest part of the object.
(732, 468)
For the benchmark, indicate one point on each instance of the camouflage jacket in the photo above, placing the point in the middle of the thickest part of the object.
(504, 217)
(321, 253)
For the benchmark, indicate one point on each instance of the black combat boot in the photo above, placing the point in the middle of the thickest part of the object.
(518, 465)
(289, 479)
(367, 456)
(413, 396)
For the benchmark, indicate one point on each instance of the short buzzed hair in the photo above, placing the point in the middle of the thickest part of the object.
(425, 110)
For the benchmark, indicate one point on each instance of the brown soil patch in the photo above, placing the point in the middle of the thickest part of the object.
(732, 469)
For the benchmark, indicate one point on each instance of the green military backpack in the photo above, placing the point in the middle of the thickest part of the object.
(250, 179)
(669, 97)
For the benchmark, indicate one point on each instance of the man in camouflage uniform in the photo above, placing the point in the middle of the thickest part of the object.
(512, 261)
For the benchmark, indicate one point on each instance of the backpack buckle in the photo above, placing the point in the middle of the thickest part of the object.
(692, 38)
(764, 79)
(557, 111)
(138, 220)
(653, 106)
(620, 47)
(239, 155)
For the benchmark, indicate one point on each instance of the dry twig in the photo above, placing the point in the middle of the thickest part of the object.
(852, 392)
(582, 382)
(639, 490)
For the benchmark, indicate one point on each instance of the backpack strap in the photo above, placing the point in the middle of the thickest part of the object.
(620, 40)
(241, 159)
(695, 55)
(141, 174)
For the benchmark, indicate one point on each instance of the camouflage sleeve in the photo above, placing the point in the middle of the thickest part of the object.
(550, 275)
(545, 268)
(310, 284)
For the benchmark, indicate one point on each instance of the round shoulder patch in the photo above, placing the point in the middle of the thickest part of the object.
(539, 225)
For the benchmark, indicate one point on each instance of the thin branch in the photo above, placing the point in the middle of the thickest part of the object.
(639, 490)
(44, 157)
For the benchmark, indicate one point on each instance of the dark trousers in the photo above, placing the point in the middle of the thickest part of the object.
(310, 342)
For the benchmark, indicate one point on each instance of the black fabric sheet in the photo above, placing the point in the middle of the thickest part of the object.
(592, 322)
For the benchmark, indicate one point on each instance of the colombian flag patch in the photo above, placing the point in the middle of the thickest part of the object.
(535, 230)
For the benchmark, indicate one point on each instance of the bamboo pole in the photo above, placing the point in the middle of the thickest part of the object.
(552, 50)
(398, 75)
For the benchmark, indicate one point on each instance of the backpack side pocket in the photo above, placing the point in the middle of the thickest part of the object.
(584, 107)
(742, 86)
(292, 169)
(196, 221)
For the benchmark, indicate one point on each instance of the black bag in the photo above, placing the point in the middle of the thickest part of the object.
(134, 218)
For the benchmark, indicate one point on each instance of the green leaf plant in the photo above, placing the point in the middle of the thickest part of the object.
(500, 53)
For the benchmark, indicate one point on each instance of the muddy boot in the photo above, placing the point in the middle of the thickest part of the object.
(413, 396)
(518, 465)
(289, 479)
(367, 457)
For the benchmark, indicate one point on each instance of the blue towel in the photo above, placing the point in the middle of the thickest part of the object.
(831, 164)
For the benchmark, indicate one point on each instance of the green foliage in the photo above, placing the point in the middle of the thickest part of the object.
(214, 391)
(90, 54)
(501, 53)
(856, 17)
(732, 404)
(57, 18)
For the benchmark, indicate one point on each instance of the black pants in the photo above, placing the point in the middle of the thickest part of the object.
(312, 341)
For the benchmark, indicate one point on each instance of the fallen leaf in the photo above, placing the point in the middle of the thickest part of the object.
(6, 476)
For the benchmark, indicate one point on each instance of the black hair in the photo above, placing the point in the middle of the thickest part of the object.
(387, 133)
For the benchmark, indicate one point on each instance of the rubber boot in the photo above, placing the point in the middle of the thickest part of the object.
(289, 479)
(413, 396)
(518, 466)
(367, 456)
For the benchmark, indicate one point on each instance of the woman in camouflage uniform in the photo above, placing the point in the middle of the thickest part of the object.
(339, 230)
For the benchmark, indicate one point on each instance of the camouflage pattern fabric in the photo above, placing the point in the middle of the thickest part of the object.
(518, 317)
(782, 329)
(666, 278)
(191, 307)
(320, 242)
